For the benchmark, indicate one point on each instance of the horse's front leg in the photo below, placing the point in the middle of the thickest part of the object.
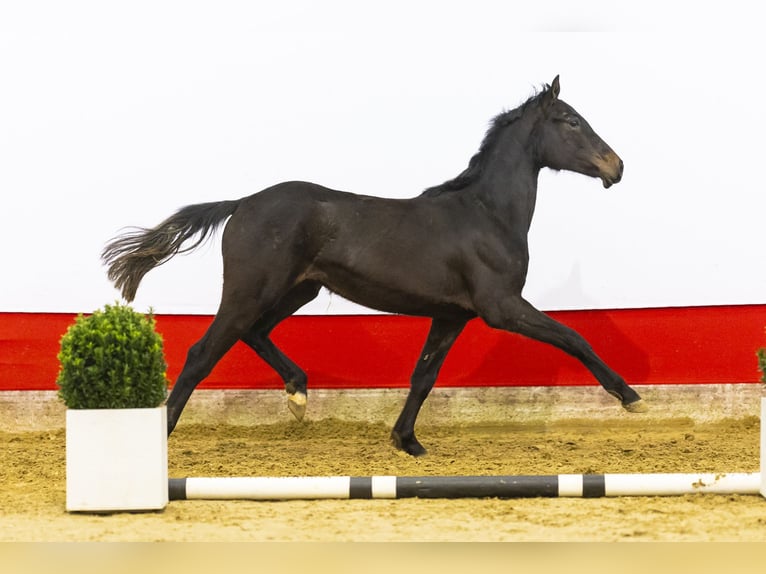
(517, 315)
(442, 335)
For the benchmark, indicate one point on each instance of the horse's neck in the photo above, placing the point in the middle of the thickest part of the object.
(509, 189)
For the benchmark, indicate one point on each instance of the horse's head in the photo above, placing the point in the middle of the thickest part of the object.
(566, 141)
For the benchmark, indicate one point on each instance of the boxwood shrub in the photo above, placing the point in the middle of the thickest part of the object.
(112, 359)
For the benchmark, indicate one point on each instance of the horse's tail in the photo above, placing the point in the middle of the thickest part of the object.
(132, 255)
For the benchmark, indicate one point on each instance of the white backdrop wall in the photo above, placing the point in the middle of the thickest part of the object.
(116, 114)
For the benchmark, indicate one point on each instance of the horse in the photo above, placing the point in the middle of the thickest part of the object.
(456, 252)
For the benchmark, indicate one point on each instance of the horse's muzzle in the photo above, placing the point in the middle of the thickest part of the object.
(611, 172)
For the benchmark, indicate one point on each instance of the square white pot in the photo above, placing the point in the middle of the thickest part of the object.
(116, 459)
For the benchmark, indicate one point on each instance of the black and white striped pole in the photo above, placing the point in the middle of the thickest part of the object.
(557, 485)
(562, 485)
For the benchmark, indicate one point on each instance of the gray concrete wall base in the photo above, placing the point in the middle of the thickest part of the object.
(42, 410)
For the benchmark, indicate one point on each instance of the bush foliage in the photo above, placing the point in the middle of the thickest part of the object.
(762, 364)
(112, 359)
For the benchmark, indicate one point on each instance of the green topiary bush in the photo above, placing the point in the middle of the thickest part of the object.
(112, 359)
(761, 353)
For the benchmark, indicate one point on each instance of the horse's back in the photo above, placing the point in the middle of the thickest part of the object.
(379, 252)
(300, 203)
(296, 218)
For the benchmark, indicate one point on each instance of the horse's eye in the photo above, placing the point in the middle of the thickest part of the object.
(573, 122)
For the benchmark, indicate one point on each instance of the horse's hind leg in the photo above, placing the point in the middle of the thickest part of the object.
(517, 315)
(227, 327)
(442, 335)
(236, 315)
(257, 338)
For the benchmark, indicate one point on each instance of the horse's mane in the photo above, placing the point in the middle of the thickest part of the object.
(477, 163)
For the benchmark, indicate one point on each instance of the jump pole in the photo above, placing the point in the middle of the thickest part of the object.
(558, 485)
(561, 485)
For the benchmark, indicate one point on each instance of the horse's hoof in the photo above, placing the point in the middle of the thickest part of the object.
(638, 406)
(296, 402)
(416, 450)
(410, 446)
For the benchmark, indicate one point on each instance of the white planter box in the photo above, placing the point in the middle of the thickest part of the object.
(116, 459)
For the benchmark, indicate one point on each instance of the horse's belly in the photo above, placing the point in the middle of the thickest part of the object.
(398, 290)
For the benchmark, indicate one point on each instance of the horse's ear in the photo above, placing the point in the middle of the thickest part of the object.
(552, 93)
(555, 88)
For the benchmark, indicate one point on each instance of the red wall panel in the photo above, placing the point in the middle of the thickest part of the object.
(647, 346)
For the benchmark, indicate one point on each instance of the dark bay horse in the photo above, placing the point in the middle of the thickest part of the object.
(456, 252)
